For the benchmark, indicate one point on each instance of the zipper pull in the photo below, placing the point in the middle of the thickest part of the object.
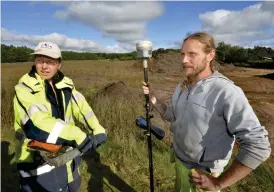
(187, 95)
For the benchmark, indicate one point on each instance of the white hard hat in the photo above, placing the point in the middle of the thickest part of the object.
(48, 49)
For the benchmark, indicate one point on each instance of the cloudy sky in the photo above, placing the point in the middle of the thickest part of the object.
(117, 26)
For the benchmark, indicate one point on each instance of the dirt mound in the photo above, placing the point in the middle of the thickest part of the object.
(163, 63)
(152, 65)
(170, 63)
(114, 91)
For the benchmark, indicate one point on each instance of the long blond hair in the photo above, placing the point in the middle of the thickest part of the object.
(208, 41)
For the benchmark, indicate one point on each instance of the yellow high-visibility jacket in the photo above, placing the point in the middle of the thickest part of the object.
(41, 115)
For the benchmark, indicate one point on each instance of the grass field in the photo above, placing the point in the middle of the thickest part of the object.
(122, 163)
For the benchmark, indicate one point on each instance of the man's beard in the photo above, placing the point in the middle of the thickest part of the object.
(191, 76)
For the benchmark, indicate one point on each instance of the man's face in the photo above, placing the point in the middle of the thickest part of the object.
(194, 59)
(46, 67)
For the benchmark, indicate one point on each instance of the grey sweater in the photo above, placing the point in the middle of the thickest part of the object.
(206, 120)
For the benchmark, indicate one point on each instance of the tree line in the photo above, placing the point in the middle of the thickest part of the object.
(225, 53)
(12, 54)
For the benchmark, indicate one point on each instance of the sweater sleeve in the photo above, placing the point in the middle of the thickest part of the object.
(244, 124)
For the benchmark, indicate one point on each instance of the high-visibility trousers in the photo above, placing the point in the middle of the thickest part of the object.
(182, 183)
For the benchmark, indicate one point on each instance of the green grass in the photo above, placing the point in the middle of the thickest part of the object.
(122, 163)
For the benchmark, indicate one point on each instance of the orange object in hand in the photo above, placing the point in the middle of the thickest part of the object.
(44, 146)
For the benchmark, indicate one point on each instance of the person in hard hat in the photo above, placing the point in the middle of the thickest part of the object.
(207, 112)
(46, 106)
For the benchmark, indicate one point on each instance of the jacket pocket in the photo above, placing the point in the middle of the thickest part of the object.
(200, 111)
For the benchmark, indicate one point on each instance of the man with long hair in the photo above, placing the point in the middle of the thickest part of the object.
(207, 112)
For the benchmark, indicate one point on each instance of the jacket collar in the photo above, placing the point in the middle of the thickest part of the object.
(198, 88)
(36, 83)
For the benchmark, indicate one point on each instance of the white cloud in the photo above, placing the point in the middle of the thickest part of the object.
(123, 21)
(63, 41)
(254, 25)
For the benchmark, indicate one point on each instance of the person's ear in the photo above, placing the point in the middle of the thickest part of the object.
(211, 55)
(60, 65)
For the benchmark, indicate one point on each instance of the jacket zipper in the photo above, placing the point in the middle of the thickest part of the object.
(56, 99)
(187, 95)
(186, 104)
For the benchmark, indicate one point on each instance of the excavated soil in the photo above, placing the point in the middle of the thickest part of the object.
(170, 64)
(163, 63)
(114, 91)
